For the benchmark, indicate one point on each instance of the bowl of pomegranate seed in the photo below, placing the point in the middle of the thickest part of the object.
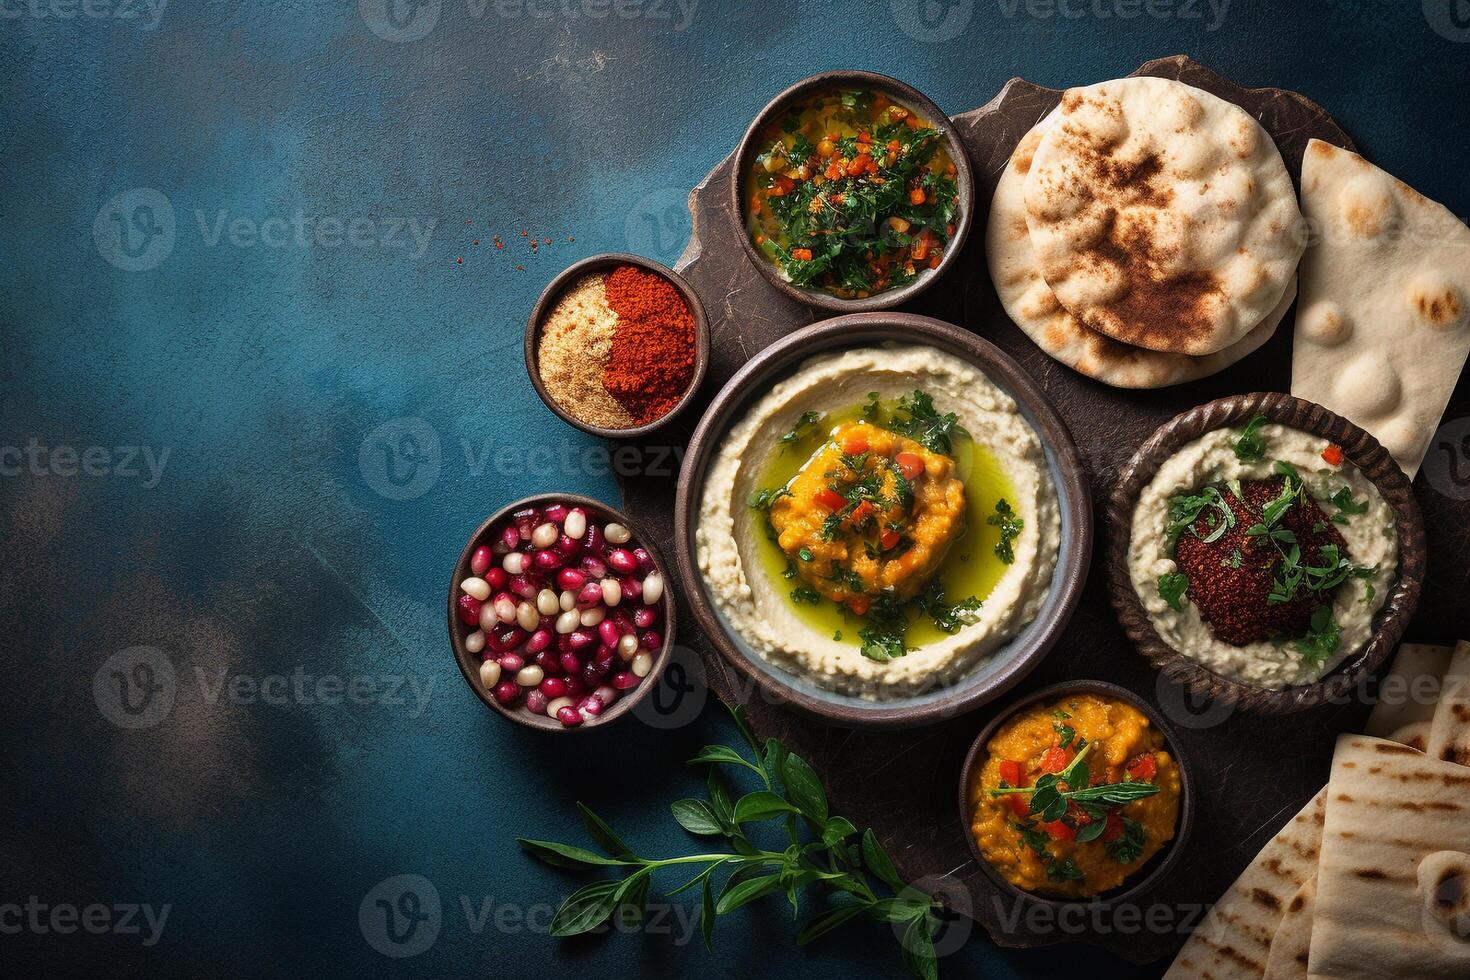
(560, 617)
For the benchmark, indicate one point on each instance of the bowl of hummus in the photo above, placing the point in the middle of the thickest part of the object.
(882, 522)
(1076, 793)
(1264, 551)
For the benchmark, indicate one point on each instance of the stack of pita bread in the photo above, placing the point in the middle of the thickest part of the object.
(1372, 878)
(1145, 233)
(1383, 328)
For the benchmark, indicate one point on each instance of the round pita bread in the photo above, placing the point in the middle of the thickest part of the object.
(1162, 216)
(1030, 302)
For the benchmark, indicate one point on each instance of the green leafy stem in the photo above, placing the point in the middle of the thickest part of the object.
(825, 851)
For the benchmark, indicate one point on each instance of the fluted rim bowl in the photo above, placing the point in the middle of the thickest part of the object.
(1359, 447)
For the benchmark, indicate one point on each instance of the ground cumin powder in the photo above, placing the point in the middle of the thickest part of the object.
(576, 342)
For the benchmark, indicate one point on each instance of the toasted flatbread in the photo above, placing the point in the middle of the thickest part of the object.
(1383, 327)
(1449, 732)
(1161, 215)
(1292, 942)
(1032, 305)
(1410, 689)
(1234, 941)
(1392, 874)
(1245, 921)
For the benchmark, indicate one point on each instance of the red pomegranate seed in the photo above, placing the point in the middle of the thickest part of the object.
(605, 660)
(591, 676)
(622, 560)
(589, 595)
(539, 641)
(569, 579)
(575, 687)
(469, 610)
(509, 540)
(581, 639)
(645, 617)
(569, 716)
(547, 560)
(511, 662)
(607, 694)
(570, 663)
(595, 539)
(624, 621)
(590, 706)
(506, 692)
(568, 546)
(547, 661)
(556, 513)
(497, 577)
(594, 567)
(553, 687)
(644, 559)
(651, 641)
(480, 561)
(607, 631)
(625, 680)
(632, 589)
(536, 702)
(510, 638)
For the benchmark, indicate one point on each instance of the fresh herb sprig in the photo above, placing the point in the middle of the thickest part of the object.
(825, 852)
(1049, 801)
(916, 417)
(1010, 525)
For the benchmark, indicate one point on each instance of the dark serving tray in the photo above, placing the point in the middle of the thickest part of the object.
(1251, 772)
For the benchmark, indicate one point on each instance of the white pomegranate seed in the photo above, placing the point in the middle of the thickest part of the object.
(514, 563)
(527, 616)
(568, 601)
(568, 621)
(489, 617)
(612, 592)
(546, 602)
(489, 674)
(653, 588)
(593, 616)
(555, 705)
(475, 642)
(530, 676)
(642, 664)
(576, 524)
(544, 536)
(627, 646)
(617, 534)
(477, 587)
(505, 609)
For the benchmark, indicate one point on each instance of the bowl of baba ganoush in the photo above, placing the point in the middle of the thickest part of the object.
(1264, 551)
(881, 521)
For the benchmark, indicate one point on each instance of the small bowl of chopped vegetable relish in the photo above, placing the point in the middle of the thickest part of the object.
(1076, 793)
(853, 191)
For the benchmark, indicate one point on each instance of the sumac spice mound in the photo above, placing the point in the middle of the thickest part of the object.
(1230, 579)
(617, 350)
(652, 358)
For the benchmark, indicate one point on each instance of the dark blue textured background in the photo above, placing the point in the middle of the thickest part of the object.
(273, 540)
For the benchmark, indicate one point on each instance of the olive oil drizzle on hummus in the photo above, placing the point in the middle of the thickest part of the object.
(969, 570)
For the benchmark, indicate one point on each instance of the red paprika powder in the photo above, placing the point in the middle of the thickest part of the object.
(652, 358)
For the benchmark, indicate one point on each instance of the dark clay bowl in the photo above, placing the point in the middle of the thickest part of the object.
(1145, 878)
(469, 663)
(606, 262)
(1010, 662)
(910, 98)
(1357, 446)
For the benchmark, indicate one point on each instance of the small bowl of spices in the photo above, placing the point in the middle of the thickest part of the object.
(617, 345)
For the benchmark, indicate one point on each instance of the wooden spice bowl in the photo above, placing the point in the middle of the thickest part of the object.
(469, 663)
(1147, 877)
(606, 262)
(903, 94)
(1358, 447)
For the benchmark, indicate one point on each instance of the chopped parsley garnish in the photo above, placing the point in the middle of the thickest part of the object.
(805, 554)
(1251, 445)
(1126, 849)
(1346, 506)
(1321, 640)
(1172, 586)
(800, 430)
(948, 616)
(1065, 734)
(1186, 508)
(806, 594)
(917, 418)
(1010, 528)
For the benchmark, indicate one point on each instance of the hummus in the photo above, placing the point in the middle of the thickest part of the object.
(1346, 512)
(978, 523)
(1070, 856)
